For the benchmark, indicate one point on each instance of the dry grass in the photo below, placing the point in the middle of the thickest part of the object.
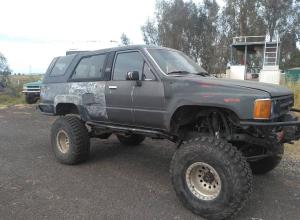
(13, 93)
(295, 87)
(8, 100)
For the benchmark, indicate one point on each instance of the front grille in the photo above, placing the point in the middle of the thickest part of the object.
(282, 105)
(31, 89)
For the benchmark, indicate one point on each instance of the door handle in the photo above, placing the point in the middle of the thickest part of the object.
(112, 87)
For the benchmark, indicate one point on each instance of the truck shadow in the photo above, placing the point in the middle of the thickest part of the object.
(153, 154)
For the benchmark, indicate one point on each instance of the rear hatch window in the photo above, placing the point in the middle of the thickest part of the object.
(61, 65)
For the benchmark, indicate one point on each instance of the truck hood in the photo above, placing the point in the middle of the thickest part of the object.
(37, 83)
(273, 90)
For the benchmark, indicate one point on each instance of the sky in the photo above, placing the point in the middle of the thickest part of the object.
(33, 32)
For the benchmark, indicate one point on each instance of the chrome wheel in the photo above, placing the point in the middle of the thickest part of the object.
(63, 141)
(203, 181)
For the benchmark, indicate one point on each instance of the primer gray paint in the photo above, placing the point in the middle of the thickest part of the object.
(89, 95)
(237, 96)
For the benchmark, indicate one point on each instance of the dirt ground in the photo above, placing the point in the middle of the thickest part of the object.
(117, 182)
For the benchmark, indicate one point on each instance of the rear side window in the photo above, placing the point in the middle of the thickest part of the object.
(61, 65)
(90, 67)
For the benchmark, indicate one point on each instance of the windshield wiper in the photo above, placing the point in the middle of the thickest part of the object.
(202, 74)
(179, 72)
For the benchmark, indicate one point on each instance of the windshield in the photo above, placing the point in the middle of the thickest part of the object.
(175, 62)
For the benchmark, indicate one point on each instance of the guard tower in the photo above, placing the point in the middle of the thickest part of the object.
(255, 58)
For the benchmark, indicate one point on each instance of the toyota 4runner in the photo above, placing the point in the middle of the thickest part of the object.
(224, 130)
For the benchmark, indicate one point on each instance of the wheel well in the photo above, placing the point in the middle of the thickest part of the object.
(187, 115)
(66, 108)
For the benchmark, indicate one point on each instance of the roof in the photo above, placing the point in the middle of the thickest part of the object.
(129, 47)
(254, 40)
(36, 83)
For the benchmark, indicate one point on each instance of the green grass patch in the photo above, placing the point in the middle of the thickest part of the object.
(8, 100)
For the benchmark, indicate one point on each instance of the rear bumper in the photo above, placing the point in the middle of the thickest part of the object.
(31, 94)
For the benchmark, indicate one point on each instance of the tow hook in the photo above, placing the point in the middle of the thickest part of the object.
(280, 136)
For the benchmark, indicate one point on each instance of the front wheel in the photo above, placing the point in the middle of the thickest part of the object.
(211, 177)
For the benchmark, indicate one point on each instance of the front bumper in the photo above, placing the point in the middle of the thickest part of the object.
(288, 121)
(37, 91)
(290, 125)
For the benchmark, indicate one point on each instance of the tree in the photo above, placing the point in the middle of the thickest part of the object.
(205, 32)
(283, 16)
(150, 33)
(294, 61)
(124, 39)
(238, 18)
(260, 17)
(4, 70)
(278, 15)
(241, 18)
(4, 67)
(187, 27)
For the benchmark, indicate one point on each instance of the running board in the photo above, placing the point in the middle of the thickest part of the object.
(118, 128)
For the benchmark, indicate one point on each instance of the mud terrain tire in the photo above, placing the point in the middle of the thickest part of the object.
(70, 140)
(30, 99)
(233, 173)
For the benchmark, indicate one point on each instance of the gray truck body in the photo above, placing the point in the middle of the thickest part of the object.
(225, 130)
(151, 104)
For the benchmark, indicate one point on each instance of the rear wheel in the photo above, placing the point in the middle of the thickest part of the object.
(211, 177)
(131, 139)
(70, 140)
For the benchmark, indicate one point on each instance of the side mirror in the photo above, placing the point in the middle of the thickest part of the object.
(132, 75)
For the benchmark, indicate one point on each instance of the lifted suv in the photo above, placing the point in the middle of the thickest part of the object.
(225, 130)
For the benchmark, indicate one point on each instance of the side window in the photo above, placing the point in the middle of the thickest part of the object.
(147, 74)
(61, 65)
(126, 62)
(90, 67)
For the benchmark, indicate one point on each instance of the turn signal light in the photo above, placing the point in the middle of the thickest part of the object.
(262, 109)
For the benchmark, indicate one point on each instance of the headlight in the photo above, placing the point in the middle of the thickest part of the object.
(262, 109)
